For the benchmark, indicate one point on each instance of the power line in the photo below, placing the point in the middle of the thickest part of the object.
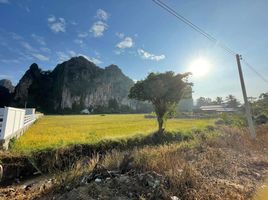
(193, 26)
(255, 71)
(205, 34)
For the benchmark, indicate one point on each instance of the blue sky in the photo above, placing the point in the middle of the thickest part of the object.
(139, 37)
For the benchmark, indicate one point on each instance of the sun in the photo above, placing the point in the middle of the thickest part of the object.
(199, 67)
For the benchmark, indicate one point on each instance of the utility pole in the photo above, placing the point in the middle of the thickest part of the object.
(248, 112)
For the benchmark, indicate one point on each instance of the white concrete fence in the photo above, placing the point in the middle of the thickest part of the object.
(14, 122)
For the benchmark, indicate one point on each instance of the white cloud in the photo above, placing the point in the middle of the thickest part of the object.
(102, 15)
(62, 56)
(39, 39)
(27, 9)
(45, 49)
(149, 56)
(40, 57)
(118, 51)
(25, 56)
(78, 41)
(97, 53)
(120, 35)
(65, 56)
(51, 18)
(4, 76)
(92, 59)
(27, 46)
(98, 28)
(95, 60)
(73, 22)
(72, 53)
(126, 43)
(57, 24)
(4, 1)
(83, 34)
(16, 36)
(9, 60)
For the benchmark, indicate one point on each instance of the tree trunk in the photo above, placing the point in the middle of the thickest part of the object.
(160, 124)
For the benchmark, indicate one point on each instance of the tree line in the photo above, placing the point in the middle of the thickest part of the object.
(230, 101)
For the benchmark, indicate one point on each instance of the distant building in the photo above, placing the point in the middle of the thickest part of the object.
(217, 108)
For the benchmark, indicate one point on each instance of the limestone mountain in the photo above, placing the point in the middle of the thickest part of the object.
(73, 85)
(6, 90)
(7, 84)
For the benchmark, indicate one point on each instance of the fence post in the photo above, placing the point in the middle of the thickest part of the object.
(4, 123)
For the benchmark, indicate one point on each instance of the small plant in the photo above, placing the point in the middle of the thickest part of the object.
(12, 142)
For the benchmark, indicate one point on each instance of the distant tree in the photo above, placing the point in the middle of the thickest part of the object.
(251, 100)
(232, 101)
(264, 99)
(219, 100)
(163, 90)
(203, 101)
(260, 106)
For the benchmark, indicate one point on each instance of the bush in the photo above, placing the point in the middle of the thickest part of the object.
(210, 128)
(261, 119)
(219, 122)
(237, 120)
(12, 142)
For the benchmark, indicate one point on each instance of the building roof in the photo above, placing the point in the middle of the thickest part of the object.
(217, 108)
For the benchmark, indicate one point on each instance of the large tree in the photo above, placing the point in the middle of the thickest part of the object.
(163, 90)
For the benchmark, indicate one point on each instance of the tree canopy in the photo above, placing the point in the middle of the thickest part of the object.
(232, 101)
(163, 90)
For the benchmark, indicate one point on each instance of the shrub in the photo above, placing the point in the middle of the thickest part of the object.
(261, 119)
(12, 142)
(219, 122)
(237, 120)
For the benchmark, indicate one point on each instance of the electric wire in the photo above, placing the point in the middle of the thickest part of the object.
(205, 34)
(255, 71)
(193, 26)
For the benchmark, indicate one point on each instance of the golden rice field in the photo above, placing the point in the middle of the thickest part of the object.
(58, 131)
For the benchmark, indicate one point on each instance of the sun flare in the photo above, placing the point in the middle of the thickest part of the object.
(199, 67)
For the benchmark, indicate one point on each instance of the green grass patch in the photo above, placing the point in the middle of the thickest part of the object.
(52, 132)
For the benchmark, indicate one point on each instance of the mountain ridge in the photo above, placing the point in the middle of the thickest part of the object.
(71, 86)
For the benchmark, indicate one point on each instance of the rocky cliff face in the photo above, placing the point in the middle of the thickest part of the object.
(22, 89)
(7, 84)
(73, 85)
(6, 91)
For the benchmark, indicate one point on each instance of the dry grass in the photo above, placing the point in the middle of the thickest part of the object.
(228, 166)
(59, 131)
(219, 165)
